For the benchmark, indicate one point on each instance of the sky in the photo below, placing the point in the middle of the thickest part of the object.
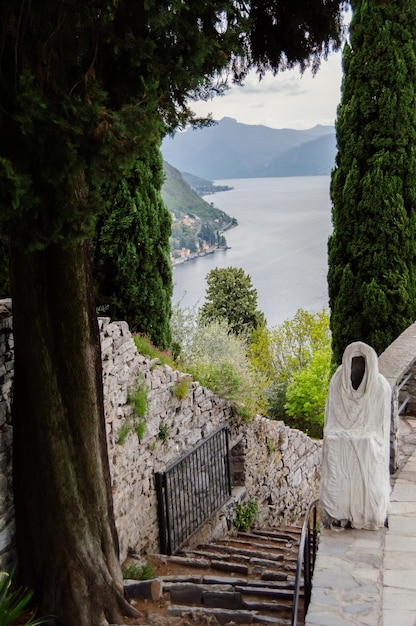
(288, 100)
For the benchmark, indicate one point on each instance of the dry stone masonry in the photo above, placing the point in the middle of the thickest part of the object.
(276, 465)
(6, 387)
(271, 463)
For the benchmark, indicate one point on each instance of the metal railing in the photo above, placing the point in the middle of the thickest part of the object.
(408, 397)
(308, 545)
(191, 489)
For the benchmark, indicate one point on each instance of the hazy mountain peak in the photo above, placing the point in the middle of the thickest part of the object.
(231, 149)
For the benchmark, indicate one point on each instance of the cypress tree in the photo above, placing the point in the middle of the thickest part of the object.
(85, 88)
(132, 267)
(231, 297)
(372, 250)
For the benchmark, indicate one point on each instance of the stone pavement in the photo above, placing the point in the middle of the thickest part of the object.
(368, 578)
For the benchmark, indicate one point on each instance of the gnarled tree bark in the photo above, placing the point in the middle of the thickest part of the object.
(66, 535)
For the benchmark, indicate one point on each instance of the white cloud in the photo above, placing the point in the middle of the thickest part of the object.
(288, 100)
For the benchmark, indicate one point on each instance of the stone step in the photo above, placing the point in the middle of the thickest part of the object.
(285, 533)
(262, 544)
(278, 568)
(246, 578)
(275, 575)
(271, 584)
(270, 592)
(252, 597)
(227, 548)
(265, 608)
(225, 616)
(264, 550)
(276, 537)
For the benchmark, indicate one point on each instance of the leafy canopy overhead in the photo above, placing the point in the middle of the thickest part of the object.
(85, 85)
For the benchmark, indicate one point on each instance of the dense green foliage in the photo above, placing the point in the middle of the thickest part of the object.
(307, 392)
(85, 88)
(372, 251)
(282, 372)
(246, 515)
(218, 359)
(231, 297)
(294, 359)
(132, 268)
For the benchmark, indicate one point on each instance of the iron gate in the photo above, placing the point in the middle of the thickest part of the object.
(192, 488)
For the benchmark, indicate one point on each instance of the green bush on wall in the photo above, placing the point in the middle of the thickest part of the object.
(246, 515)
(137, 398)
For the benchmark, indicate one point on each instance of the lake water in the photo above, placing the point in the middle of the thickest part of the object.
(281, 242)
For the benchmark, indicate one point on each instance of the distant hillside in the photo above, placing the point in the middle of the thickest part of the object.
(233, 150)
(312, 158)
(183, 201)
(202, 186)
(197, 225)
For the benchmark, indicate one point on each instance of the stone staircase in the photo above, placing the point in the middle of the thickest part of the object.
(247, 578)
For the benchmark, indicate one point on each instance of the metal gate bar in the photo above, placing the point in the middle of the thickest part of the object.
(192, 488)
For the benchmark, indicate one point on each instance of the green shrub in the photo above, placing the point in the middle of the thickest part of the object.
(306, 394)
(270, 445)
(222, 378)
(246, 515)
(243, 412)
(214, 355)
(140, 428)
(123, 433)
(181, 389)
(164, 431)
(145, 346)
(134, 571)
(138, 398)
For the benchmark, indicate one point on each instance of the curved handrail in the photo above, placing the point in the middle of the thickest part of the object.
(304, 556)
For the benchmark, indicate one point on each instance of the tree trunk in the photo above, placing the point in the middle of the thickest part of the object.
(66, 536)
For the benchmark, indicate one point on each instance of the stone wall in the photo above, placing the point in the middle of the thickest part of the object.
(276, 465)
(395, 363)
(273, 464)
(7, 529)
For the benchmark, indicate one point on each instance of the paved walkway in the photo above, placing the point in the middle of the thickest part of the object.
(368, 578)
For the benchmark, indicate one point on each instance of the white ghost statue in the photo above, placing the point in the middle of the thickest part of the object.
(355, 481)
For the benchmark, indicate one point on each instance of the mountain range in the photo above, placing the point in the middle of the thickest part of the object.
(230, 149)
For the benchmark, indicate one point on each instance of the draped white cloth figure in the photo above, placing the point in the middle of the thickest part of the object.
(355, 481)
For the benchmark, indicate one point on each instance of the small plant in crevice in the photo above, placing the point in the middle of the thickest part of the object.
(181, 389)
(123, 433)
(246, 515)
(134, 571)
(137, 398)
(164, 431)
(140, 428)
(145, 346)
(243, 412)
(270, 445)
